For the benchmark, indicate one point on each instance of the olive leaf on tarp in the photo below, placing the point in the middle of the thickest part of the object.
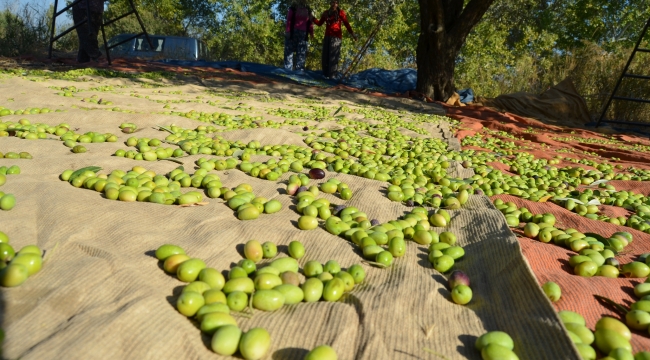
(194, 204)
(598, 182)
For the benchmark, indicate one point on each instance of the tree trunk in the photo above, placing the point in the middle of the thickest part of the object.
(444, 26)
(436, 63)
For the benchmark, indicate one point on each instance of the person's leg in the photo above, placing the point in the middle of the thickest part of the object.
(301, 51)
(288, 52)
(79, 15)
(92, 49)
(325, 56)
(335, 55)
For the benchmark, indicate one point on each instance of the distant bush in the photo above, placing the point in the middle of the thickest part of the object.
(27, 32)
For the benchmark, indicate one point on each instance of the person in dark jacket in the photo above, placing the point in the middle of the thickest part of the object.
(333, 18)
(299, 26)
(87, 33)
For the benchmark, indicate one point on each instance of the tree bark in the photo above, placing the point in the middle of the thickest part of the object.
(444, 26)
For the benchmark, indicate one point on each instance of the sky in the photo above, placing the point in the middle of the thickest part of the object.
(39, 6)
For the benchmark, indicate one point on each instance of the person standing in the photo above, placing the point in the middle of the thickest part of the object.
(333, 17)
(87, 33)
(299, 27)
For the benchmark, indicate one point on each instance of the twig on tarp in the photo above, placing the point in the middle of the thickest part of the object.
(435, 353)
(194, 204)
(618, 307)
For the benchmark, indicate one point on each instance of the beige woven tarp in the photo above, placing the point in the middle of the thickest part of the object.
(102, 295)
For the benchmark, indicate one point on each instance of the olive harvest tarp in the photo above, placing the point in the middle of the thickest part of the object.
(559, 105)
(102, 295)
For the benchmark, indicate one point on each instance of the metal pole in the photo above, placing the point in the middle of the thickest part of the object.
(56, 6)
(618, 83)
(108, 55)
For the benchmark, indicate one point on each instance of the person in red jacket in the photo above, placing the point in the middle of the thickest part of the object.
(333, 17)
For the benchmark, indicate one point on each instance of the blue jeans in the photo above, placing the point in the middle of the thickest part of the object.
(295, 44)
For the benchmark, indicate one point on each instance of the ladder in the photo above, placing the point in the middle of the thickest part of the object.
(54, 38)
(625, 74)
(357, 58)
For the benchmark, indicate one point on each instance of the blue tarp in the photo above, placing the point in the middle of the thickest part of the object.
(386, 81)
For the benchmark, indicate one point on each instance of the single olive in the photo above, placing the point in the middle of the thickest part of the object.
(254, 344)
(225, 340)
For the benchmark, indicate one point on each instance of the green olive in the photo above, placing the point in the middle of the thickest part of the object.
(3, 237)
(244, 284)
(357, 272)
(585, 335)
(210, 308)
(608, 340)
(307, 222)
(13, 275)
(32, 262)
(172, 263)
(266, 281)
(237, 300)
(586, 269)
(608, 271)
(348, 280)
(167, 250)
(197, 286)
(253, 250)
(213, 321)
(621, 354)
(397, 246)
(269, 250)
(494, 337)
(322, 352)
(272, 206)
(461, 294)
(254, 344)
(7, 202)
(456, 252)
(30, 249)
(634, 269)
(188, 270)
(312, 268)
(385, 258)
(296, 249)
(248, 265)
(293, 294)
(225, 340)
(212, 296)
(552, 291)
(448, 238)
(189, 303)
(638, 320)
(285, 264)
(571, 317)
(443, 263)
(237, 272)
(312, 289)
(249, 213)
(333, 289)
(268, 300)
(497, 352)
(332, 267)
(586, 352)
(212, 277)
(609, 323)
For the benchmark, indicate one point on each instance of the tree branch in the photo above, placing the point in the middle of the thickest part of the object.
(470, 16)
